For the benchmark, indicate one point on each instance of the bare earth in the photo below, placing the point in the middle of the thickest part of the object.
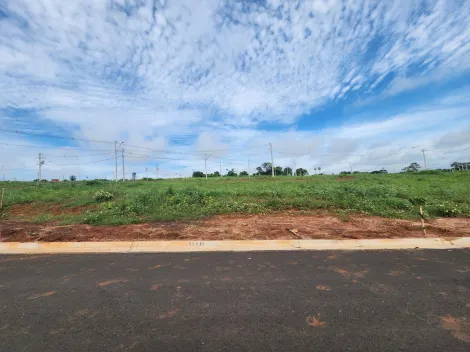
(285, 225)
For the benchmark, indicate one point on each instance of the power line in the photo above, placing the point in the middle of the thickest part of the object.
(53, 136)
(133, 155)
(91, 162)
(128, 145)
(56, 148)
(21, 168)
(75, 156)
(243, 155)
(161, 151)
(240, 147)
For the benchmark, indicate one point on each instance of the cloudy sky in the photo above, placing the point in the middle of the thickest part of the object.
(330, 83)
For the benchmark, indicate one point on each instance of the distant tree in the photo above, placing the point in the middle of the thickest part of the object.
(216, 174)
(243, 173)
(319, 169)
(278, 170)
(345, 173)
(198, 174)
(413, 167)
(73, 178)
(134, 176)
(287, 171)
(460, 165)
(267, 168)
(301, 172)
(231, 173)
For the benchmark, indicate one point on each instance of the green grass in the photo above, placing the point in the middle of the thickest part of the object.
(446, 194)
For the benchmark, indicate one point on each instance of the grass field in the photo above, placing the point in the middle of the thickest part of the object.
(110, 203)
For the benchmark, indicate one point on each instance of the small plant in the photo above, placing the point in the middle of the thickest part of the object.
(170, 192)
(343, 216)
(420, 202)
(103, 196)
(92, 183)
(448, 209)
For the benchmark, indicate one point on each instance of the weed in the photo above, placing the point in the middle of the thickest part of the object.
(103, 196)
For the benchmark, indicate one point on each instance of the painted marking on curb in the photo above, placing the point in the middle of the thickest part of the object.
(198, 244)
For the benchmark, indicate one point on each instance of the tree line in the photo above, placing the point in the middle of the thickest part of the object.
(265, 169)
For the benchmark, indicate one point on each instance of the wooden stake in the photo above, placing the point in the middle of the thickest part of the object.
(1, 202)
(422, 219)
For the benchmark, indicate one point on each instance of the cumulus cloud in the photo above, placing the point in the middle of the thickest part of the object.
(189, 75)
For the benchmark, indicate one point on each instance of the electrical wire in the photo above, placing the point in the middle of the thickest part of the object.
(74, 156)
(53, 136)
(160, 151)
(91, 162)
(21, 168)
(57, 148)
(240, 147)
(139, 156)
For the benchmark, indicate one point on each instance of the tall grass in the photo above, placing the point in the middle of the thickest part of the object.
(447, 194)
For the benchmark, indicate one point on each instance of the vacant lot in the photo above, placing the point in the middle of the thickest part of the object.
(110, 203)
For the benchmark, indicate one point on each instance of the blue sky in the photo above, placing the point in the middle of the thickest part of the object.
(327, 82)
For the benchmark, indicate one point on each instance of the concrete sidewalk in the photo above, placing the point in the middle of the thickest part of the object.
(211, 246)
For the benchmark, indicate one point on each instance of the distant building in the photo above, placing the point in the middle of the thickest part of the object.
(55, 180)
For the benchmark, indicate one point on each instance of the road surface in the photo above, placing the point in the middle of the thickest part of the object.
(283, 301)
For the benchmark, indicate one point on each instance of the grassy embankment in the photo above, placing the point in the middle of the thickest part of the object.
(109, 203)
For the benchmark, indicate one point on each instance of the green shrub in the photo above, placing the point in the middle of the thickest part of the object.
(396, 203)
(448, 209)
(103, 196)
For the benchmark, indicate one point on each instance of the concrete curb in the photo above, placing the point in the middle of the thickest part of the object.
(220, 246)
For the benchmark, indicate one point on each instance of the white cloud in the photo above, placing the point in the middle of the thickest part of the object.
(204, 73)
(242, 59)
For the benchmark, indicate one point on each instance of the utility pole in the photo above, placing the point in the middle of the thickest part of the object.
(40, 163)
(424, 158)
(206, 156)
(295, 169)
(115, 160)
(147, 173)
(220, 169)
(156, 170)
(350, 167)
(249, 168)
(272, 160)
(123, 174)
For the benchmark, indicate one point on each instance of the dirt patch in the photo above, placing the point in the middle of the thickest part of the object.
(344, 178)
(315, 322)
(457, 327)
(240, 227)
(34, 209)
(46, 294)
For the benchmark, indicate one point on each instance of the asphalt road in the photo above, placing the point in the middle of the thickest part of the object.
(285, 301)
